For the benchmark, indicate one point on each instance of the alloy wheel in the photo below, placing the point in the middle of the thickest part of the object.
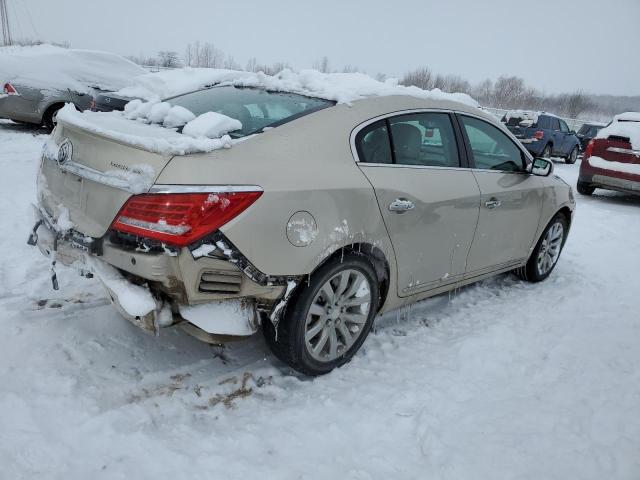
(550, 248)
(337, 315)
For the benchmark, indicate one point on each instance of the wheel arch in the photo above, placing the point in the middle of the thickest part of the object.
(55, 104)
(374, 255)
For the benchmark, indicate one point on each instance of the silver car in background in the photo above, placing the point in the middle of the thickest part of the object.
(37, 81)
(324, 216)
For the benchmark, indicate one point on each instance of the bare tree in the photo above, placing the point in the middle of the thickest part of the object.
(168, 59)
(231, 64)
(322, 65)
(421, 78)
(251, 65)
(576, 103)
(349, 69)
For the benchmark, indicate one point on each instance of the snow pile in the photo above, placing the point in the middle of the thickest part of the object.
(208, 131)
(339, 87)
(134, 299)
(525, 118)
(47, 67)
(625, 125)
(63, 222)
(229, 317)
(456, 387)
(138, 179)
(598, 162)
(153, 138)
(211, 125)
(177, 116)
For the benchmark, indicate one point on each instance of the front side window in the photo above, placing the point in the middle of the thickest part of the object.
(425, 139)
(492, 149)
(255, 108)
(563, 126)
(372, 143)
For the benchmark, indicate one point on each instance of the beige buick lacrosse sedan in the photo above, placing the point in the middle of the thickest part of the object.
(324, 216)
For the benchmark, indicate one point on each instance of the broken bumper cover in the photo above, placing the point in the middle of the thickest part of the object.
(134, 301)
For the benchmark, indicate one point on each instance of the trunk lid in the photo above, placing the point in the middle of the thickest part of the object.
(93, 178)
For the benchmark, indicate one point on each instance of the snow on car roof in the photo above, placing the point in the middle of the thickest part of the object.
(339, 87)
(526, 115)
(627, 117)
(47, 67)
(139, 124)
(625, 125)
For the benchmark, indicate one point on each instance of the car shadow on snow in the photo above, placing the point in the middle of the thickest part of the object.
(16, 127)
(140, 368)
(612, 197)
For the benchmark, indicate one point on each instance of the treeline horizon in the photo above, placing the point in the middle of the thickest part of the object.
(505, 92)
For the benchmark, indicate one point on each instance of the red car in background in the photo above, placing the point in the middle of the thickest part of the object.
(612, 159)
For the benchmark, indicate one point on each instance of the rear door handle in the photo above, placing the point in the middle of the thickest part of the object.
(492, 203)
(401, 205)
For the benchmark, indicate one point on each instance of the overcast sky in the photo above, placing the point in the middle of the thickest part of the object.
(556, 45)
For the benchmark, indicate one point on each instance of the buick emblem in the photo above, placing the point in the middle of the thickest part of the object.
(65, 151)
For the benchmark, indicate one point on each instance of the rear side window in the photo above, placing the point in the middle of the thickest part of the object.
(491, 148)
(555, 124)
(372, 143)
(425, 139)
(255, 108)
(543, 122)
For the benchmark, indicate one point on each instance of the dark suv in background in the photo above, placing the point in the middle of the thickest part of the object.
(543, 134)
(587, 132)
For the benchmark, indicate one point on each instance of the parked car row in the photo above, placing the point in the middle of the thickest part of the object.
(543, 134)
(38, 81)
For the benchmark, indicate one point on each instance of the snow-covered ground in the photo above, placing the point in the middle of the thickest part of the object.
(503, 380)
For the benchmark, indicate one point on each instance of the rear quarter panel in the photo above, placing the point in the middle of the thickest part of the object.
(305, 165)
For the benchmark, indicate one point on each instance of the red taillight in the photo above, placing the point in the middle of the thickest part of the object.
(538, 135)
(9, 90)
(180, 218)
(589, 150)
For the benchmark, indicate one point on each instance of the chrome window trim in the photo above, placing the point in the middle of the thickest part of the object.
(504, 130)
(359, 127)
(160, 188)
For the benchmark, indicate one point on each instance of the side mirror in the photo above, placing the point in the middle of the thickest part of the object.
(541, 167)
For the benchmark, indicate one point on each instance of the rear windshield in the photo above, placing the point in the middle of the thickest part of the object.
(255, 108)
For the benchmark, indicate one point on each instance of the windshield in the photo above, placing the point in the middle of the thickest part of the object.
(254, 107)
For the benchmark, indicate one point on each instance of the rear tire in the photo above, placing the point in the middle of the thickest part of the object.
(545, 256)
(327, 310)
(584, 188)
(546, 152)
(49, 119)
(573, 156)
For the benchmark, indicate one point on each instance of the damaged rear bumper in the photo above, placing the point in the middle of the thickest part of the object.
(138, 302)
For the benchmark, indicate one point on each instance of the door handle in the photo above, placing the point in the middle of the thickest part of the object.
(401, 205)
(492, 203)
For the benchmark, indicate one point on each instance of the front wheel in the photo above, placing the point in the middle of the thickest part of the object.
(584, 188)
(328, 318)
(547, 252)
(573, 156)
